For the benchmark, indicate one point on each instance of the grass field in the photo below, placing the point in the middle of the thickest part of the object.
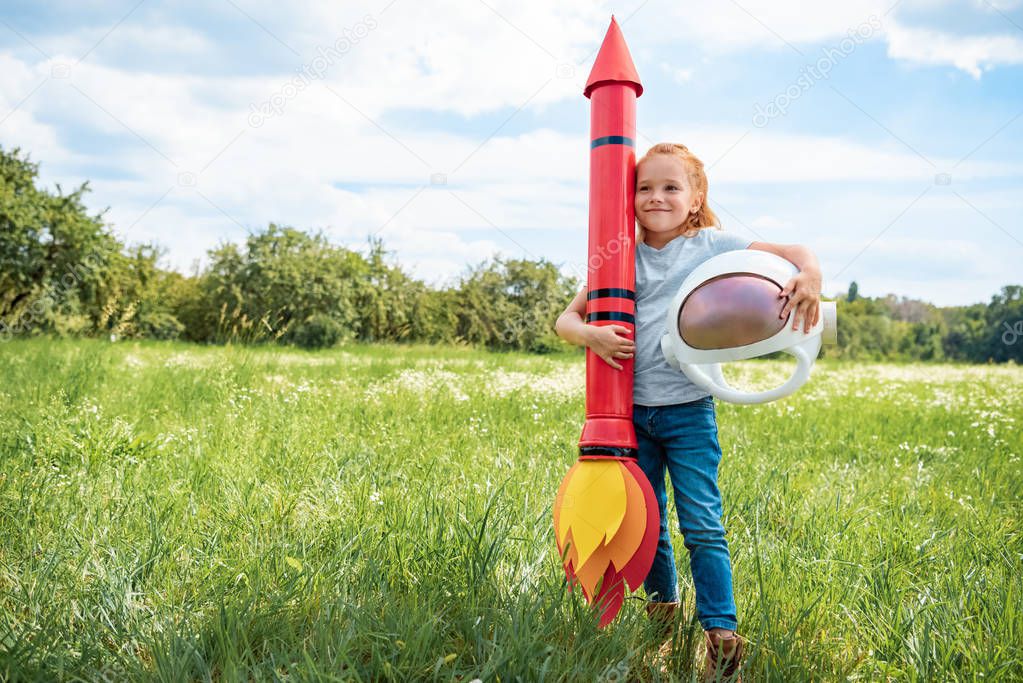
(173, 512)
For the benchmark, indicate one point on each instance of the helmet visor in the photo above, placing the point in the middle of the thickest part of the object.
(731, 310)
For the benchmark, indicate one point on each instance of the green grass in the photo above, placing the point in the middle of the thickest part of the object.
(173, 512)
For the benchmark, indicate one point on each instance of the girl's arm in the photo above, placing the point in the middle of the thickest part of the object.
(804, 289)
(570, 325)
(603, 340)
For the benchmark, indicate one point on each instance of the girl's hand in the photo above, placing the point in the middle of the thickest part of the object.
(804, 294)
(604, 340)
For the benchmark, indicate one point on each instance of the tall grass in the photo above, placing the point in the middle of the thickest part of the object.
(173, 512)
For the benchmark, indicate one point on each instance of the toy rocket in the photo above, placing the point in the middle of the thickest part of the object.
(606, 520)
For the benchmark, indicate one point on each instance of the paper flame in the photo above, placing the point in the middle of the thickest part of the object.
(606, 523)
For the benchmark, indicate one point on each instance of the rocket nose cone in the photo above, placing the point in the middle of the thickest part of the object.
(613, 63)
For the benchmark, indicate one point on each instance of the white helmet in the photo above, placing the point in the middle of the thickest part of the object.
(727, 309)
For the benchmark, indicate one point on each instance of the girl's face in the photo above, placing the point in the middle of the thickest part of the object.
(664, 198)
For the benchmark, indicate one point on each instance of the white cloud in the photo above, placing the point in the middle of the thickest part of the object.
(973, 54)
(730, 26)
(946, 272)
(438, 255)
(464, 57)
(770, 223)
(142, 39)
(678, 74)
(997, 5)
(794, 25)
(762, 155)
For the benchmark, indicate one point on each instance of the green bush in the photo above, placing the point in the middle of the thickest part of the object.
(159, 325)
(319, 332)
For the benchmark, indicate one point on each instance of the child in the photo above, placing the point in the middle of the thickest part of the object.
(675, 419)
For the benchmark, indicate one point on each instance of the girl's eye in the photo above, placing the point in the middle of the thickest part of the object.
(672, 187)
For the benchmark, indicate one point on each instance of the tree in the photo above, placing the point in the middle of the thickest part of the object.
(276, 283)
(61, 269)
(967, 332)
(512, 304)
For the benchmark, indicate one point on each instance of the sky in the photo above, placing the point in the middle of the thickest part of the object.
(886, 136)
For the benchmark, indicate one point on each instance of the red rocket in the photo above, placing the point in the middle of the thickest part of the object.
(606, 520)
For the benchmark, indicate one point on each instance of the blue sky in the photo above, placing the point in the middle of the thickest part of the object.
(457, 130)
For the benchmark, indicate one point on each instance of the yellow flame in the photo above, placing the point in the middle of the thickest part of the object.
(593, 502)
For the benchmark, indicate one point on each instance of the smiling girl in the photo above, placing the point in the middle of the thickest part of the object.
(675, 422)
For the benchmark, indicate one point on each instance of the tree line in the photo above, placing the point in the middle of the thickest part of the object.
(63, 272)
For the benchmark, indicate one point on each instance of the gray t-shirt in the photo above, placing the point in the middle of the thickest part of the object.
(659, 276)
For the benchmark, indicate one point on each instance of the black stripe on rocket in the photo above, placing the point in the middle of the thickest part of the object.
(617, 316)
(612, 140)
(611, 293)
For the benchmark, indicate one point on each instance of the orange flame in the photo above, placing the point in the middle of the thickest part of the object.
(606, 524)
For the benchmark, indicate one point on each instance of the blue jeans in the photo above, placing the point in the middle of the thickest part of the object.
(683, 439)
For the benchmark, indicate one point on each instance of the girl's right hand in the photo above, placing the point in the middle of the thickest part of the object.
(606, 341)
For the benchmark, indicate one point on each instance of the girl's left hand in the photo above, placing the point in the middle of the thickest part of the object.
(804, 294)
